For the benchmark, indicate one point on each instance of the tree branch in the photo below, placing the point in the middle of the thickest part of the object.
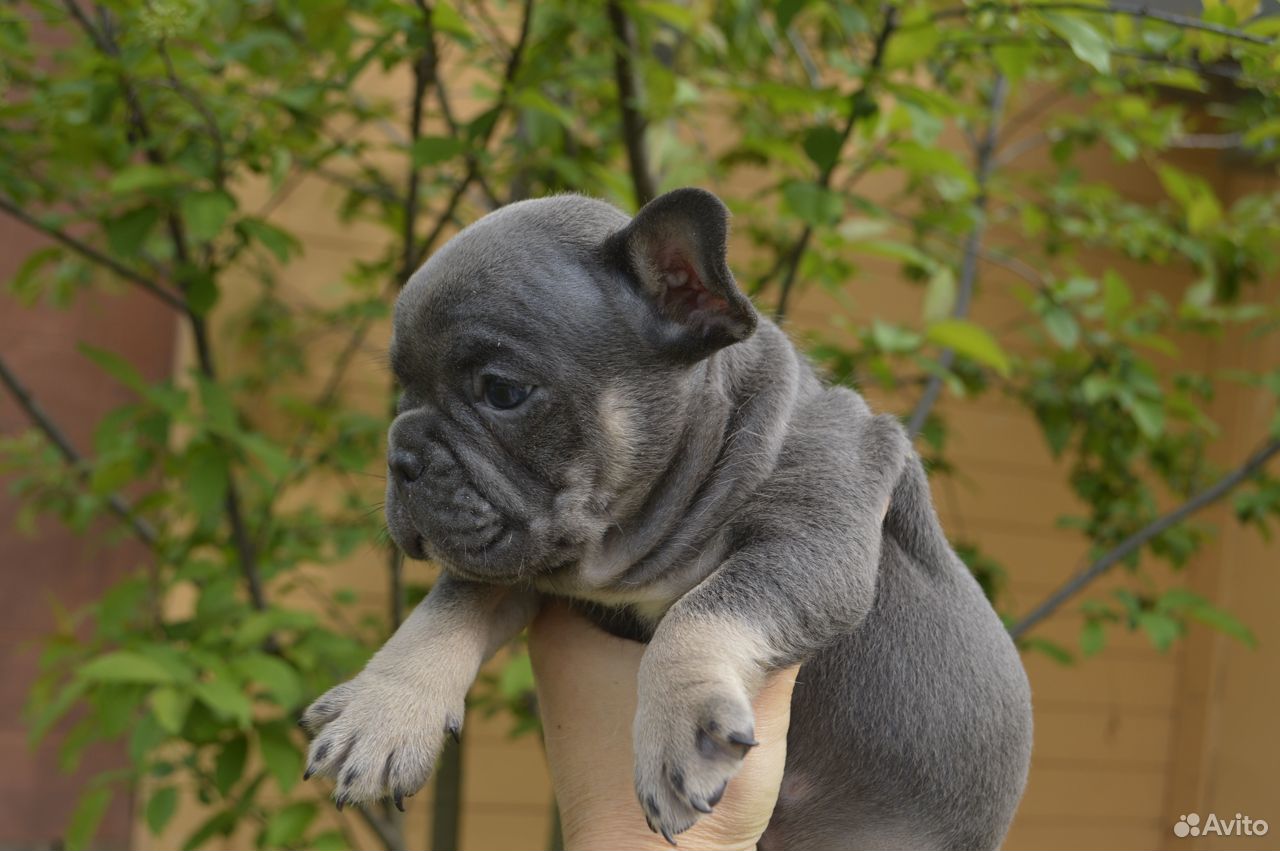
(388, 832)
(791, 264)
(985, 156)
(633, 120)
(92, 254)
(193, 98)
(1125, 9)
(473, 162)
(1134, 542)
(55, 435)
(139, 132)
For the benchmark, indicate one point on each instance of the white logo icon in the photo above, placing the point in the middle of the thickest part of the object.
(1242, 825)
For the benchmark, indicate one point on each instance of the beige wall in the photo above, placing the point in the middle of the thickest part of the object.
(1125, 742)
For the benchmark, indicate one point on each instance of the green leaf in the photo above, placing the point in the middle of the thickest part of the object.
(277, 675)
(1086, 42)
(1194, 195)
(84, 821)
(228, 767)
(170, 706)
(786, 10)
(139, 178)
(1096, 387)
(1052, 649)
(1093, 638)
(282, 244)
(123, 666)
(813, 204)
(45, 713)
(26, 282)
(907, 48)
(446, 19)
(126, 234)
(940, 295)
(1162, 629)
(1062, 326)
(969, 340)
(432, 150)
(161, 807)
(893, 338)
(1148, 414)
(207, 479)
(1227, 624)
(116, 366)
(288, 825)
(1116, 297)
(516, 678)
(218, 824)
(274, 458)
(205, 213)
(281, 755)
(822, 144)
(226, 700)
(219, 412)
(201, 291)
(1014, 60)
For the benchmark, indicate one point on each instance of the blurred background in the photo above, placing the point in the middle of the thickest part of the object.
(1045, 234)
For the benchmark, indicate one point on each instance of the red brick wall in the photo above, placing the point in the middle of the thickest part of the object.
(36, 798)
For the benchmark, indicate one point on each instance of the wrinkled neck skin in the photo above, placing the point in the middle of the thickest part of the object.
(670, 532)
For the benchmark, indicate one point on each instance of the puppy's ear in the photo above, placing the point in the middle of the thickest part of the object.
(674, 251)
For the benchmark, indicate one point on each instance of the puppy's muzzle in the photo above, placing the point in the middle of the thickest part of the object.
(432, 505)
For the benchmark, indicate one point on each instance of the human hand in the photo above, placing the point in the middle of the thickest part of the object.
(586, 682)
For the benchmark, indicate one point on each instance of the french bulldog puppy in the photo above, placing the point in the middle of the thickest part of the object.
(592, 410)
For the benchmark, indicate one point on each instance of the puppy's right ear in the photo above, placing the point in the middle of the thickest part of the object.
(674, 253)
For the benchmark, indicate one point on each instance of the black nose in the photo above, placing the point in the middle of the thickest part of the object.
(405, 466)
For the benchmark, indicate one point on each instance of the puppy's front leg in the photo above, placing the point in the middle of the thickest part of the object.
(378, 735)
(804, 575)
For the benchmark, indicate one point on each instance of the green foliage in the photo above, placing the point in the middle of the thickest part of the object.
(133, 131)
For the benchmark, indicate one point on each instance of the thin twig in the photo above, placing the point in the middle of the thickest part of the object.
(50, 429)
(92, 254)
(196, 102)
(985, 159)
(388, 832)
(139, 132)
(791, 264)
(514, 61)
(1134, 542)
(1124, 9)
(633, 119)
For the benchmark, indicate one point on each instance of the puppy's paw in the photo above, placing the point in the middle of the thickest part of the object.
(378, 737)
(689, 742)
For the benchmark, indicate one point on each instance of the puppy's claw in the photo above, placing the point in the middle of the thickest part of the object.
(399, 799)
(666, 834)
(747, 740)
(455, 730)
(340, 802)
(718, 794)
(306, 775)
(699, 806)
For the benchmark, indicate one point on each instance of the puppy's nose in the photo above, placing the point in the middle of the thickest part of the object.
(405, 466)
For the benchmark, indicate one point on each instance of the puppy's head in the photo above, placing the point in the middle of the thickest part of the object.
(549, 355)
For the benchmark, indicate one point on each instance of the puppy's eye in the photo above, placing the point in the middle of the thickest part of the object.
(503, 394)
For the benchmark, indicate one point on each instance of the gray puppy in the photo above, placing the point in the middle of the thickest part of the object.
(592, 410)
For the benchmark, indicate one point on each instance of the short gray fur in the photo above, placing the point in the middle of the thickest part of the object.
(680, 472)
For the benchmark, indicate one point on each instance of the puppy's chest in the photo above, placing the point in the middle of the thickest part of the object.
(643, 605)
